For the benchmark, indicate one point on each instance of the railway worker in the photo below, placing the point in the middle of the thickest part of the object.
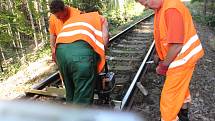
(60, 13)
(80, 55)
(78, 81)
(178, 48)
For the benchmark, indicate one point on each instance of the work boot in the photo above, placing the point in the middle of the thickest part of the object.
(183, 115)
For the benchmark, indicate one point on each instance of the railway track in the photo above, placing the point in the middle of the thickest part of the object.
(128, 57)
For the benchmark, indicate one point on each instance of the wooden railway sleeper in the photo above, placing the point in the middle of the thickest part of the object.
(142, 89)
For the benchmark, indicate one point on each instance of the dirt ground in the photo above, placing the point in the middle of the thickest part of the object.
(203, 83)
(202, 86)
(26, 78)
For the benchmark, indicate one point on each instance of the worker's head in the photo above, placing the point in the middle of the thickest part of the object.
(58, 8)
(152, 4)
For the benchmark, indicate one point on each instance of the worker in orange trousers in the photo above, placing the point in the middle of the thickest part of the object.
(178, 48)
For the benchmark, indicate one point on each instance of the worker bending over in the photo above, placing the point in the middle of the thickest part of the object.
(80, 55)
(78, 41)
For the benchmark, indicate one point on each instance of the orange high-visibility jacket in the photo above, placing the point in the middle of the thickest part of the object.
(55, 24)
(87, 27)
(192, 48)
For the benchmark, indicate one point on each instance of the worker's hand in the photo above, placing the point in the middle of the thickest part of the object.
(156, 59)
(162, 68)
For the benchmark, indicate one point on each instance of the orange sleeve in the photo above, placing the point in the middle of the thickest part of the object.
(74, 11)
(52, 28)
(175, 26)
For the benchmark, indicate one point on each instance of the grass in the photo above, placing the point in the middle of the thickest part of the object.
(133, 20)
(207, 20)
(200, 17)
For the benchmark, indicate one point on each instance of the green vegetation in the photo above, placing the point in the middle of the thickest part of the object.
(205, 13)
(15, 66)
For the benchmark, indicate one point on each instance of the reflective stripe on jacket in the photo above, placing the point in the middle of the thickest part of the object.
(85, 27)
(55, 24)
(192, 48)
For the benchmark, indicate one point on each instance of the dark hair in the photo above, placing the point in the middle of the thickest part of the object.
(56, 6)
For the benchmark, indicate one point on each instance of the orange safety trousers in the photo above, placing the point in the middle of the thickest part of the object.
(175, 92)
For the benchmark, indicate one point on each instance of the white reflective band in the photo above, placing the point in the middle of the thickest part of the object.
(97, 32)
(186, 58)
(189, 43)
(72, 33)
(176, 119)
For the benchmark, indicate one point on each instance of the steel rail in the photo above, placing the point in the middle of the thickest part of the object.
(129, 28)
(128, 94)
(56, 77)
(41, 85)
(56, 74)
(47, 81)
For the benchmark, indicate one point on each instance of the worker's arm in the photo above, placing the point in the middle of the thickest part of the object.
(105, 31)
(172, 53)
(175, 34)
(175, 38)
(52, 31)
(52, 44)
(52, 40)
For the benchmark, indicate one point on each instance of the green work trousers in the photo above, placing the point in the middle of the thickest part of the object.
(77, 63)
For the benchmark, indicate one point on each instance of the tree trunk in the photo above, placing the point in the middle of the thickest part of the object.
(213, 7)
(1, 60)
(47, 1)
(1, 4)
(17, 38)
(21, 46)
(13, 41)
(42, 22)
(205, 7)
(37, 7)
(32, 24)
(43, 9)
(10, 31)
(121, 8)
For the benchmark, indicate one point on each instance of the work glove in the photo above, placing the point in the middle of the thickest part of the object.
(161, 68)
